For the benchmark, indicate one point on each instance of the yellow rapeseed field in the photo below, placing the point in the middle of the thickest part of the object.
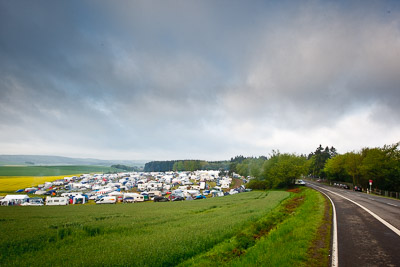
(13, 183)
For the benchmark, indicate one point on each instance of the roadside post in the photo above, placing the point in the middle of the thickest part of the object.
(370, 184)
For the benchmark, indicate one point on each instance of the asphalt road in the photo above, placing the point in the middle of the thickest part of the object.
(364, 239)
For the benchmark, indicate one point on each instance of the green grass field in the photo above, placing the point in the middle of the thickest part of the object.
(52, 170)
(156, 234)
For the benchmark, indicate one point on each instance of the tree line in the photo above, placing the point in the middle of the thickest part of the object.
(126, 168)
(185, 165)
(277, 170)
(380, 164)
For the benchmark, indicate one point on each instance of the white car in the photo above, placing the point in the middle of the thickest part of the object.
(33, 202)
(300, 182)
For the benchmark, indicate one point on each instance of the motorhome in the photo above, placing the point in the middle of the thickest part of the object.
(154, 186)
(57, 201)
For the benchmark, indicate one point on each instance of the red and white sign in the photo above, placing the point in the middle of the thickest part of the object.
(370, 182)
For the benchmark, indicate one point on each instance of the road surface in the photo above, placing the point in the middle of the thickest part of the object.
(368, 227)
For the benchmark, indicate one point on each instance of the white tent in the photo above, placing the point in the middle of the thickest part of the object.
(14, 200)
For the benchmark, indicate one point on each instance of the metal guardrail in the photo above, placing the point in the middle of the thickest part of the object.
(386, 193)
(375, 191)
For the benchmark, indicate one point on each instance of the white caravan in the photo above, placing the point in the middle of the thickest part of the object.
(136, 197)
(57, 201)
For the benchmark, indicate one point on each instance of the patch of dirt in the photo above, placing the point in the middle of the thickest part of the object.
(292, 205)
(293, 190)
(237, 252)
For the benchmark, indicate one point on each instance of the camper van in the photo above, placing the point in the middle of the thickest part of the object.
(107, 200)
(57, 201)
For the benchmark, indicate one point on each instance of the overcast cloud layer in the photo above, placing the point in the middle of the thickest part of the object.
(197, 79)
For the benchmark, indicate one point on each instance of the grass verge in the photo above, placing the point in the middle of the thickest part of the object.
(293, 235)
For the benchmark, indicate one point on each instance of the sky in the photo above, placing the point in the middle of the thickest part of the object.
(164, 80)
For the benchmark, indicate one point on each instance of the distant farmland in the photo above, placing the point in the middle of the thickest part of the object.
(13, 178)
(52, 170)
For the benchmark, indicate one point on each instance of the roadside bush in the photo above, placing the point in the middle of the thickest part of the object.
(258, 185)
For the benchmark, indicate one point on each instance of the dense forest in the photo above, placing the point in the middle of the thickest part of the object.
(159, 166)
(126, 168)
(380, 164)
(185, 165)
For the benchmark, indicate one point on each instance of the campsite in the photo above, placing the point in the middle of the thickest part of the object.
(142, 186)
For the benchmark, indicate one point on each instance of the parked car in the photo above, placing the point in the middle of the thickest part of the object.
(178, 198)
(129, 200)
(176, 195)
(206, 192)
(50, 193)
(36, 201)
(31, 204)
(160, 199)
(357, 188)
(300, 182)
(345, 186)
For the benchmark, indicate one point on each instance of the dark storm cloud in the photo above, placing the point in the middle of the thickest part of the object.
(191, 79)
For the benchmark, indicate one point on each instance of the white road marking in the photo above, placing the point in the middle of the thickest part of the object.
(392, 204)
(391, 227)
(334, 258)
